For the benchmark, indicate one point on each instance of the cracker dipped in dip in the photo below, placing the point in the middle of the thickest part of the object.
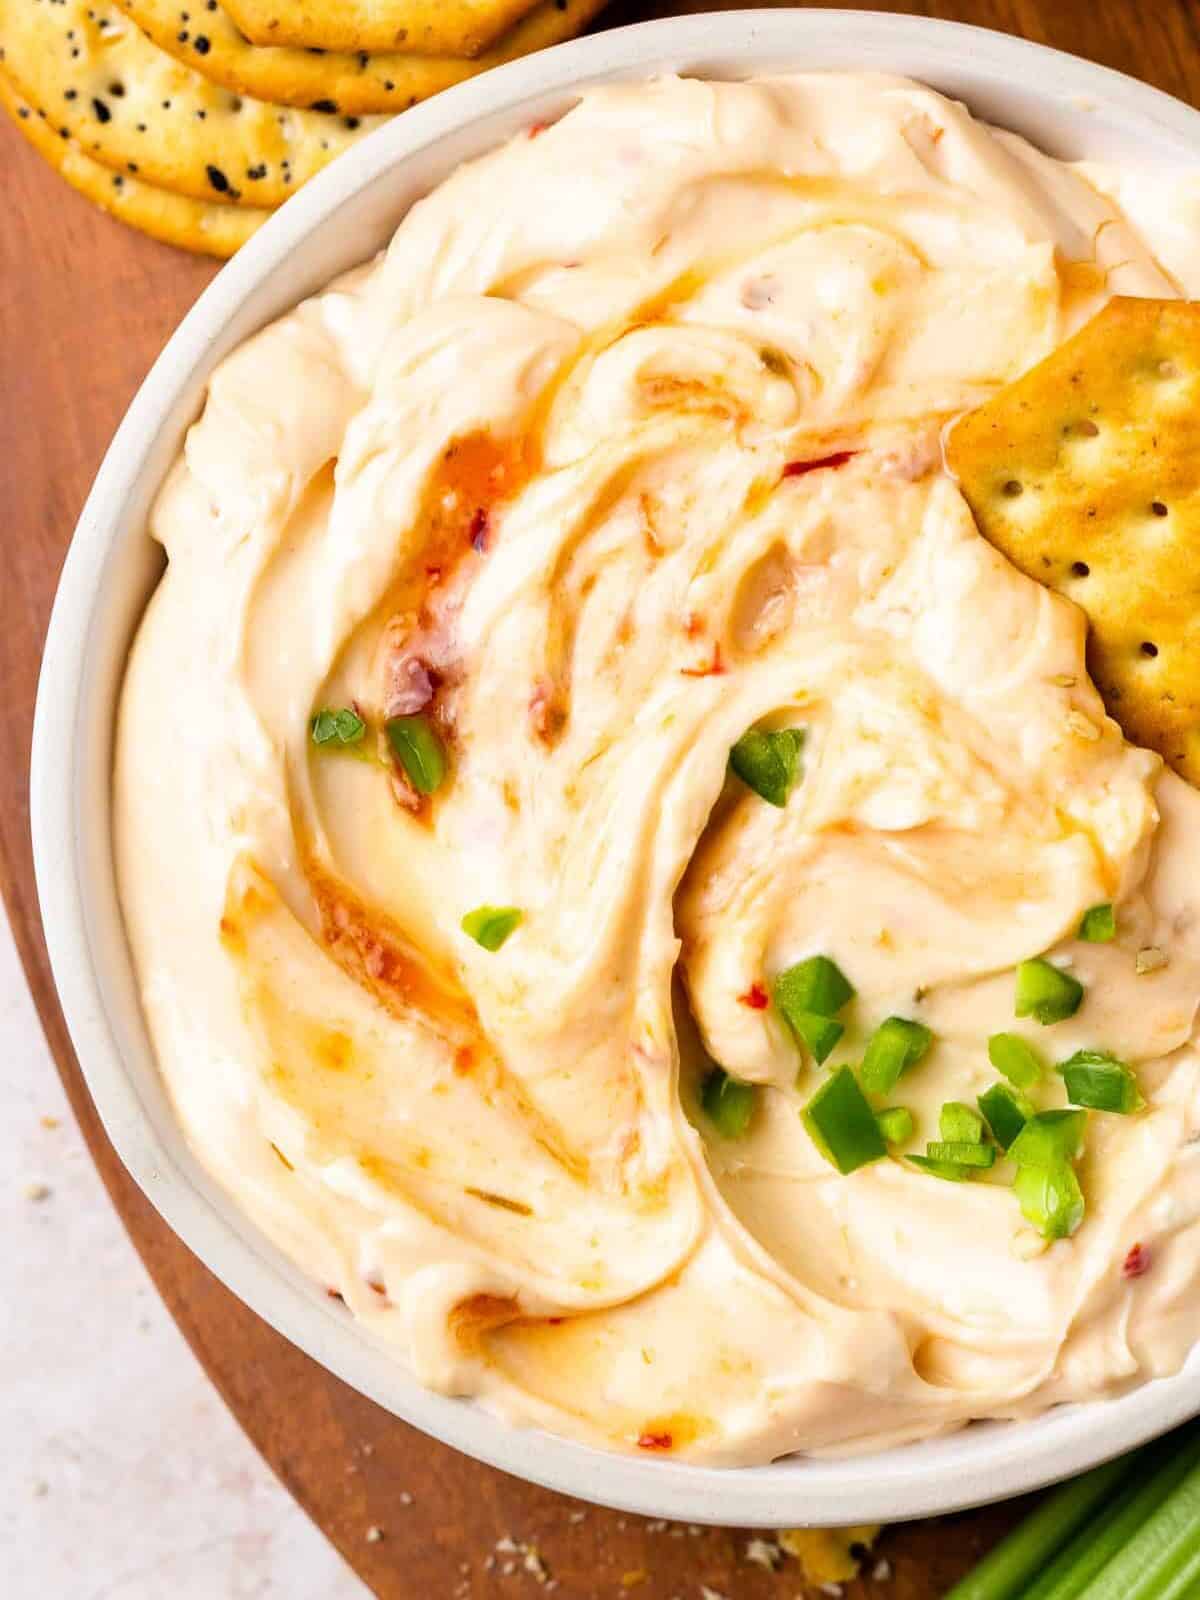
(592, 808)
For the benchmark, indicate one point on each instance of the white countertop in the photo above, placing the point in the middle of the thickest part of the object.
(123, 1476)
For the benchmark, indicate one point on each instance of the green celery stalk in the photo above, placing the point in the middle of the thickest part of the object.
(1185, 1585)
(1005, 1574)
(1129, 1530)
(1164, 1549)
(1160, 1468)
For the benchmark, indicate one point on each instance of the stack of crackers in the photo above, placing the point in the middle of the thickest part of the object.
(193, 119)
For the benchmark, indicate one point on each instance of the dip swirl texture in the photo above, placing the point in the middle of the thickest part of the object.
(630, 442)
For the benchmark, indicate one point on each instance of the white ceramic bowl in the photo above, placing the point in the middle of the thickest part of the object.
(1066, 106)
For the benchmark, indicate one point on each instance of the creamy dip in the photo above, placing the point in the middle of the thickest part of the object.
(630, 442)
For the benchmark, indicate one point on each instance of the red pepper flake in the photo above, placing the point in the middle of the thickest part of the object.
(1136, 1262)
(553, 1322)
(755, 997)
(693, 624)
(480, 529)
(797, 469)
(336, 1294)
(536, 128)
(464, 1060)
(714, 669)
(655, 1441)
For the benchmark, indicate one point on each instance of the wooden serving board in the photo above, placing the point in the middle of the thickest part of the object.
(85, 306)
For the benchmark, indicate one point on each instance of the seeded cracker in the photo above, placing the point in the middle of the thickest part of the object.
(136, 110)
(1086, 474)
(427, 27)
(198, 225)
(202, 34)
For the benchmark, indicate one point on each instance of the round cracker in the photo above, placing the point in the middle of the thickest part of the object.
(202, 34)
(427, 27)
(198, 225)
(134, 108)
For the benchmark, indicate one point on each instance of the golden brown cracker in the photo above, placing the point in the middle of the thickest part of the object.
(199, 225)
(135, 109)
(425, 27)
(352, 84)
(1086, 474)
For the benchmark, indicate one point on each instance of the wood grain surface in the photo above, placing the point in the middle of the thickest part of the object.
(85, 305)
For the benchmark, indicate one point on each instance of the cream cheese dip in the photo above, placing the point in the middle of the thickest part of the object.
(479, 564)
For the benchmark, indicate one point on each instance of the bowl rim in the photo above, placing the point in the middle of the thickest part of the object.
(72, 854)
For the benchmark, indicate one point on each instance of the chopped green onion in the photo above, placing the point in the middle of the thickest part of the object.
(962, 1153)
(842, 1125)
(817, 984)
(490, 926)
(767, 762)
(1007, 1111)
(1099, 924)
(343, 726)
(896, 1045)
(1046, 992)
(1049, 1139)
(419, 751)
(895, 1123)
(951, 1171)
(960, 1123)
(1099, 1081)
(1050, 1198)
(820, 1034)
(1016, 1059)
(728, 1104)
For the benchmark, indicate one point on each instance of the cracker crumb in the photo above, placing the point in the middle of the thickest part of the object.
(576, 1516)
(1082, 727)
(656, 1527)
(40, 1489)
(374, 1534)
(405, 1498)
(1150, 959)
(37, 1192)
(631, 1579)
(711, 1594)
(882, 1570)
(764, 1553)
(50, 1123)
(834, 1590)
